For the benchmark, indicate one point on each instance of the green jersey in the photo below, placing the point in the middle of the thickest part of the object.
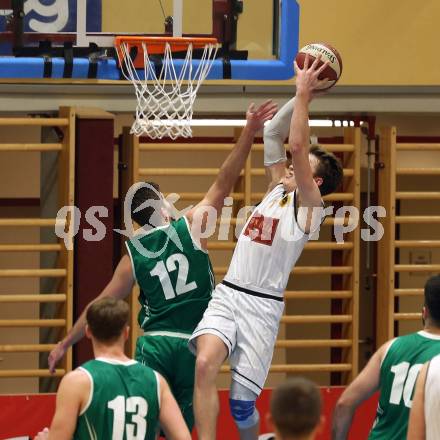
(124, 402)
(175, 278)
(398, 373)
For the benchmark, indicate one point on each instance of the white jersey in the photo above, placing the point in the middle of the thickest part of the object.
(269, 245)
(432, 400)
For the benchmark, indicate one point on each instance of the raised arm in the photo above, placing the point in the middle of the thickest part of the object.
(229, 172)
(275, 134)
(119, 287)
(234, 163)
(416, 424)
(299, 136)
(365, 384)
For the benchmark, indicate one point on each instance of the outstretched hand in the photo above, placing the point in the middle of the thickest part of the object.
(257, 116)
(307, 78)
(55, 356)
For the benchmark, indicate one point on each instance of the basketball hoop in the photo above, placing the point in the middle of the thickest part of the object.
(165, 96)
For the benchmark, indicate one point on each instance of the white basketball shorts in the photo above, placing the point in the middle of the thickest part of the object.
(248, 325)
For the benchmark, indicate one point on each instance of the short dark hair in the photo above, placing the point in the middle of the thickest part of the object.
(148, 191)
(295, 407)
(107, 318)
(432, 299)
(329, 169)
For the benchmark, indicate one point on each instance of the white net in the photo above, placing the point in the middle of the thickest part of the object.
(165, 100)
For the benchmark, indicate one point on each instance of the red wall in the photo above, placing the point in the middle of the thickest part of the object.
(25, 415)
(361, 425)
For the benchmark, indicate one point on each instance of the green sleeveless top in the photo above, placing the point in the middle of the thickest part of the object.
(124, 402)
(175, 278)
(398, 374)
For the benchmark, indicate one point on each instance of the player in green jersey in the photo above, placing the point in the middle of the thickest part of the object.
(168, 260)
(393, 370)
(112, 396)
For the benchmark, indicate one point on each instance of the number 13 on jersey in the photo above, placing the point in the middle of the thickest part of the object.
(136, 407)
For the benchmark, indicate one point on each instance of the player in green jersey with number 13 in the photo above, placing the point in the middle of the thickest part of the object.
(168, 260)
(112, 396)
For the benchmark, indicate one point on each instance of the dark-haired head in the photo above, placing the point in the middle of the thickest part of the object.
(329, 169)
(326, 167)
(432, 301)
(295, 408)
(146, 216)
(107, 318)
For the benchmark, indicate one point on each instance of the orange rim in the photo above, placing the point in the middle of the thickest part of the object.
(156, 45)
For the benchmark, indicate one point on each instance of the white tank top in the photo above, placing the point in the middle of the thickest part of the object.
(432, 400)
(269, 245)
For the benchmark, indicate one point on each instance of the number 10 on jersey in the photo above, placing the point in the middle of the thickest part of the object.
(403, 383)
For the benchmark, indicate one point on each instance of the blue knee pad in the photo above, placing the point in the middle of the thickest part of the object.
(244, 413)
(242, 405)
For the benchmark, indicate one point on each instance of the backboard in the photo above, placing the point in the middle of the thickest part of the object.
(259, 39)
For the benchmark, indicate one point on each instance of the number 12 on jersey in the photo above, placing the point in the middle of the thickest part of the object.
(162, 272)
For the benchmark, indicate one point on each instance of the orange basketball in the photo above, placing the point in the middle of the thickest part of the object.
(328, 53)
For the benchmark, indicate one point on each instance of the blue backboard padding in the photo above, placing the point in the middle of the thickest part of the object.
(34, 67)
(216, 71)
(278, 69)
(261, 70)
(289, 32)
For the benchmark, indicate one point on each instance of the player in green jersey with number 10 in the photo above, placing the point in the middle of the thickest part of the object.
(112, 396)
(169, 261)
(393, 370)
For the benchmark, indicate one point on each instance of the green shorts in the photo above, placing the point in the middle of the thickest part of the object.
(170, 356)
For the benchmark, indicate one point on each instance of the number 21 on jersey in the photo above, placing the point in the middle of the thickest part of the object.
(162, 270)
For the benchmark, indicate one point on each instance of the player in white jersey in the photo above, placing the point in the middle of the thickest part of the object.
(424, 419)
(242, 319)
(432, 399)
